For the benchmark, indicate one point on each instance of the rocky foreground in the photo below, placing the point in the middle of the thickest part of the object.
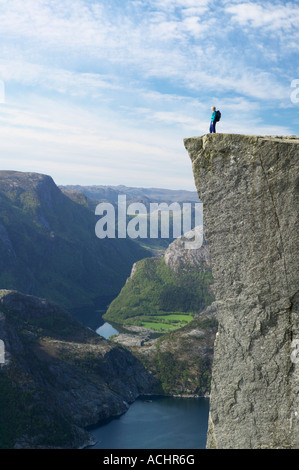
(58, 377)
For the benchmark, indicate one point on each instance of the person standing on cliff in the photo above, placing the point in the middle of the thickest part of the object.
(213, 121)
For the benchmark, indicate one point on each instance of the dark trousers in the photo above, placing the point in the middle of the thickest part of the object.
(213, 127)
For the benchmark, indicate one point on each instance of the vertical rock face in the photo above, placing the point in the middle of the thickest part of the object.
(249, 189)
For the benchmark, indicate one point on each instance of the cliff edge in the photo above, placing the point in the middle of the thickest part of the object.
(249, 189)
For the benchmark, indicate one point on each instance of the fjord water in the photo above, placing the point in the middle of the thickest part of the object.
(157, 423)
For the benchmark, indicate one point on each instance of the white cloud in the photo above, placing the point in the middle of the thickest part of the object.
(270, 16)
(185, 5)
(174, 41)
(64, 140)
(57, 79)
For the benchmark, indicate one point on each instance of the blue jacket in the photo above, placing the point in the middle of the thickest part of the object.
(213, 118)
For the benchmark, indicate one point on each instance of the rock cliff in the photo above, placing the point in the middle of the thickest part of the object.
(249, 189)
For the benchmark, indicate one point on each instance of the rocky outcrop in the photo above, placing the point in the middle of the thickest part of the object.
(58, 377)
(181, 259)
(249, 189)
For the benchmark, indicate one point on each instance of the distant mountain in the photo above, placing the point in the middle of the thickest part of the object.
(97, 193)
(48, 245)
(145, 195)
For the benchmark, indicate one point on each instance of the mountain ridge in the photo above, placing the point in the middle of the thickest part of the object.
(111, 193)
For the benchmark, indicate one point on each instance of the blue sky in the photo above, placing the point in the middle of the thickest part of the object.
(104, 91)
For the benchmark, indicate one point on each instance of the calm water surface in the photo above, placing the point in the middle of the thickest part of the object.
(106, 330)
(157, 423)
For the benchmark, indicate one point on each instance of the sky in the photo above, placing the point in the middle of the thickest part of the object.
(103, 92)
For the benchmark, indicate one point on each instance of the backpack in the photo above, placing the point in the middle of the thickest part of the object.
(218, 116)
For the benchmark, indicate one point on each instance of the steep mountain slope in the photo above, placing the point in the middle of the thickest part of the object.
(58, 376)
(48, 245)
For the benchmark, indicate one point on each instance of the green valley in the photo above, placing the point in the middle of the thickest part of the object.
(158, 298)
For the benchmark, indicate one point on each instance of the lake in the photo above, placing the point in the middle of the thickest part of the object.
(157, 423)
(106, 330)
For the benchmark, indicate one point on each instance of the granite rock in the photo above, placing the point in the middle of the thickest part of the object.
(249, 189)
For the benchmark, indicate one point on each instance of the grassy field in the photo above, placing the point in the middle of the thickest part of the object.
(166, 322)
